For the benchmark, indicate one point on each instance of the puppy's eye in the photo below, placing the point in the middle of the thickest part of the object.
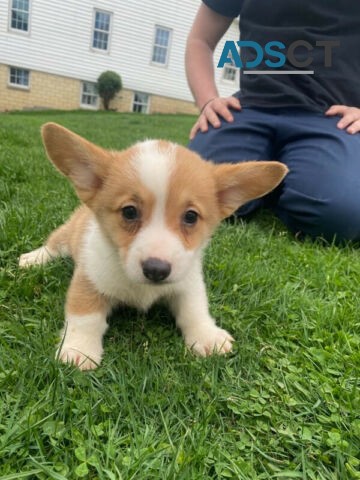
(130, 213)
(190, 217)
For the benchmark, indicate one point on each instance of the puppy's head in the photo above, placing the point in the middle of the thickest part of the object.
(157, 202)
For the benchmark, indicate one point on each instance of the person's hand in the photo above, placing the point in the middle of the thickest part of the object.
(350, 117)
(212, 111)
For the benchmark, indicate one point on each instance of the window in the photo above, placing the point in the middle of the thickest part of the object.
(229, 72)
(19, 77)
(101, 34)
(89, 95)
(20, 15)
(161, 46)
(140, 102)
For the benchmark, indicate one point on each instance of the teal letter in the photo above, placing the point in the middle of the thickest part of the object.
(230, 54)
(259, 52)
(276, 54)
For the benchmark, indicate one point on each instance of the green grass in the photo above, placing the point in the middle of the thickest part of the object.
(284, 404)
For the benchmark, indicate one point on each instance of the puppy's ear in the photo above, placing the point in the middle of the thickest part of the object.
(242, 182)
(84, 163)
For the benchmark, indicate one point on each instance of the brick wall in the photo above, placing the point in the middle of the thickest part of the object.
(171, 105)
(63, 93)
(46, 91)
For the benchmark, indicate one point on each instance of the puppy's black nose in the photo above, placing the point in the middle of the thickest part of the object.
(155, 269)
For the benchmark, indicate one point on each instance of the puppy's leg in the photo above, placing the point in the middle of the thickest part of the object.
(64, 241)
(85, 324)
(56, 245)
(201, 335)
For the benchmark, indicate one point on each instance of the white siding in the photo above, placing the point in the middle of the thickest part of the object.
(59, 42)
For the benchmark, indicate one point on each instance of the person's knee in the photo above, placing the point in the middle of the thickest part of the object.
(335, 219)
(200, 144)
(213, 145)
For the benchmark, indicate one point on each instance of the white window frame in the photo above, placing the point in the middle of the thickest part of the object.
(89, 106)
(18, 30)
(168, 46)
(19, 85)
(109, 32)
(230, 68)
(146, 104)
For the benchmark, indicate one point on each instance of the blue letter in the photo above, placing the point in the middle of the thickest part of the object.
(276, 54)
(230, 55)
(259, 53)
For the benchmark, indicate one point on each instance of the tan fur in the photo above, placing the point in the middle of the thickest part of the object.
(117, 194)
(66, 240)
(214, 191)
(92, 162)
(82, 296)
(192, 187)
(239, 183)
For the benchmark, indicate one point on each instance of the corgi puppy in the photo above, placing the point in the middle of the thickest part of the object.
(147, 213)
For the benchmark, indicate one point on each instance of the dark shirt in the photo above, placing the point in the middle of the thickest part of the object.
(287, 21)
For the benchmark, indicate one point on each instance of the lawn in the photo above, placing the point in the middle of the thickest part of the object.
(284, 404)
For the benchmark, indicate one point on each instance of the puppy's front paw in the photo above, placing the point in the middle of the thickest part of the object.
(40, 256)
(209, 340)
(85, 357)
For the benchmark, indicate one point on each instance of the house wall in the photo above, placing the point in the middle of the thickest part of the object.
(45, 91)
(57, 50)
(54, 91)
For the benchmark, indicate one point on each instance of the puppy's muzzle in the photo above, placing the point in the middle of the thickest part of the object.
(156, 270)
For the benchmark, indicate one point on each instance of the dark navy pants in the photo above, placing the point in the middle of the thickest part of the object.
(320, 196)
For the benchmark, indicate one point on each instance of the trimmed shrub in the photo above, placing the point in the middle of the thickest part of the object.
(108, 85)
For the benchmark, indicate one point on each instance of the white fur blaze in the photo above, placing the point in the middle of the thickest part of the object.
(154, 163)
